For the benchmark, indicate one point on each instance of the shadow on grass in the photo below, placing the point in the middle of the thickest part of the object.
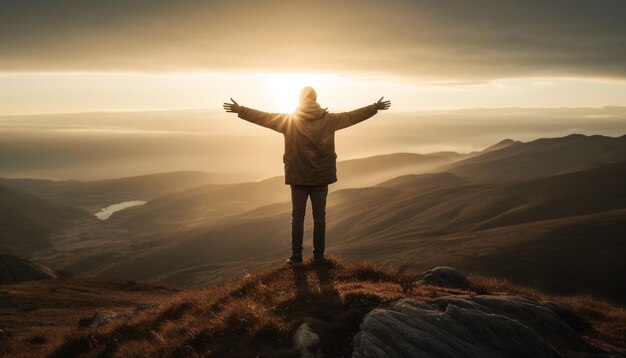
(318, 302)
(301, 282)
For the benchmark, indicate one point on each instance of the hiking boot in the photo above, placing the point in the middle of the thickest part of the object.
(294, 261)
(321, 259)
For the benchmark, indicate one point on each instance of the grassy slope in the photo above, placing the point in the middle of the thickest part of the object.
(94, 195)
(202, 205)
(27, 221)
(428, 220)
(258, 314)
(541, 157)
(36, 315)
(175, 217)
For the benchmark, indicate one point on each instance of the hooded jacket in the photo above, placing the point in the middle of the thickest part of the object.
(309, 133)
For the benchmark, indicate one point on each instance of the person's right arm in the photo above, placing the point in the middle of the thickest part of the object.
(275, 121)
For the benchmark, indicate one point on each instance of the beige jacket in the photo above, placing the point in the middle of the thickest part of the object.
(309, 133)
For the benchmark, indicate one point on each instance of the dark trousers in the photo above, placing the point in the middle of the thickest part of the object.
(299, 196)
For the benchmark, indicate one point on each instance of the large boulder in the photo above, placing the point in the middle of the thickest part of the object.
(15, 269)
(444, 276)
(471, 326)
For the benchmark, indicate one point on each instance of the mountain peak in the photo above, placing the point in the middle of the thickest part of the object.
(576, 135)
(501, 145)
(337, 305)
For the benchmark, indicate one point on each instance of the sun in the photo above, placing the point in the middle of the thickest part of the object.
(286, 88)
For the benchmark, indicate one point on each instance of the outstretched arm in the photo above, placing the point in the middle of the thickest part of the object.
(275, 121)
(347, 119)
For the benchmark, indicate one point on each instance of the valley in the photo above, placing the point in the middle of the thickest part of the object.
(549, 208)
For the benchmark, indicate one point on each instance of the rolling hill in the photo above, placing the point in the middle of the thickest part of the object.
(94, 195)
(373, 170)
(510, 160)
(473, 217)
(26, 221)
(208, 203)
(164, 220)
(421, 220)
(14, 269)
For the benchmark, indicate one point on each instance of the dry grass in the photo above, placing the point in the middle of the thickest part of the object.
(35, 316)
(254, 316)
(257, 315)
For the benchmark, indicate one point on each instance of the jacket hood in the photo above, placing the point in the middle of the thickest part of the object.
(309, 109)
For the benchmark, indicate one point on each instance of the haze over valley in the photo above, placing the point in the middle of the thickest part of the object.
(511, 210)
(94, 146)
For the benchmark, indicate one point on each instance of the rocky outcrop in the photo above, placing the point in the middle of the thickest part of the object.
(472, 326)
(15, 269)
(307, 342)
(105, 317)
(444, 276)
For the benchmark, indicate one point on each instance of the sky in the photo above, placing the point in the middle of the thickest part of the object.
(94, 89)
(87, 55)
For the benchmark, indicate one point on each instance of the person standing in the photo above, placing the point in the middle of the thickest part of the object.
(309, 158)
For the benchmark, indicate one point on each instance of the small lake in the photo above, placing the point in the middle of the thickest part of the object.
(105, 213)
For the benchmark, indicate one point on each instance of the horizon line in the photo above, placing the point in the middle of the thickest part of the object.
(216, 110)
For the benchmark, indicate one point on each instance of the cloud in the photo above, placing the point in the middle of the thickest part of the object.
(452, 40)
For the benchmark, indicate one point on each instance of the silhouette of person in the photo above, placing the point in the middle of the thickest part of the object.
(309, 158)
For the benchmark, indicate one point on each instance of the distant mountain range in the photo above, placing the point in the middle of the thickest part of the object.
(549, 213)
(509, 160)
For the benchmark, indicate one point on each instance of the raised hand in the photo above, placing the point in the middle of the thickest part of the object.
(232, 107)
(383, 105)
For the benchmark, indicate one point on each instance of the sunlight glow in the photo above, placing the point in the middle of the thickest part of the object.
(45, 93)
(285, 88)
